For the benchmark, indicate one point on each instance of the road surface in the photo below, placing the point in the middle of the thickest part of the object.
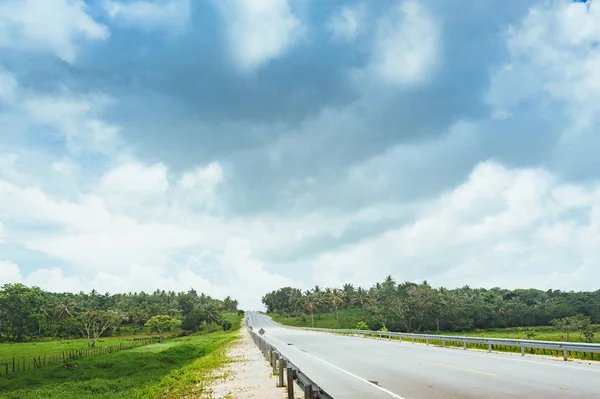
(353, 367)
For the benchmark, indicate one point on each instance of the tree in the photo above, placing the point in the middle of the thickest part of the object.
(311, 304)
(336, 300)
(21, 307)
(193, 320)
(212, 316)
(579, 323)
(93, 323)
(161, 324)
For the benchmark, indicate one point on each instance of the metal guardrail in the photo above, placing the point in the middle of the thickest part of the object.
(523, 344)
(282, 365)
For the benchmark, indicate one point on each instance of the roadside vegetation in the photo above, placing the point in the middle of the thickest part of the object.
(175, 368)
(30, 314)
(411, 307)
(63, 345)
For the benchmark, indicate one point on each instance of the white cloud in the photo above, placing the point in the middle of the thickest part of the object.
(407, 45)
(171, 15)
(9, 273)
(132, 188)
(8, 86)
(135, 179)
(53, 26)
(199, 186)
(347, 22)
(553, 53)
(76, 118)
(64, 166)
(499, 224)
(259, 30)
(2, 237)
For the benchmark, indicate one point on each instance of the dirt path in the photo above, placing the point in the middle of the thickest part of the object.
(248, 376)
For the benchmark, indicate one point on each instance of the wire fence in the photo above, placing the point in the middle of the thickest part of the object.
(19, 364)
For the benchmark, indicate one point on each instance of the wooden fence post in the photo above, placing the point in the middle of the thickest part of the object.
(290, 383)
(308, 392)
(281, 371)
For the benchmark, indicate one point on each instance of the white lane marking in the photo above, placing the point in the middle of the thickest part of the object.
(393, 395)
(495, 355)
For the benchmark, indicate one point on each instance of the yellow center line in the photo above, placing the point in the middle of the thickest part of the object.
(467, 369)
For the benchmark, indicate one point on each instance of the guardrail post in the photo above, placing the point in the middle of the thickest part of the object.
(427, 341)
(490, 348)
(465, 345)
(522, 350)
(274, 357)
(281, 371)
(443, 343)
(308, 391)
(565, 355)
(290, 383)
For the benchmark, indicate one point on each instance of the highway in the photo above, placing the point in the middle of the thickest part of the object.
(354, 367)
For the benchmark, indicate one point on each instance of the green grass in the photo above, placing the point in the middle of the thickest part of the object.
(348, 319)
(233, 318)
(55, 348)
(541, 334)
(173, 369)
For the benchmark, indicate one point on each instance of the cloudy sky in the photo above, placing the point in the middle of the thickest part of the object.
(237, 146)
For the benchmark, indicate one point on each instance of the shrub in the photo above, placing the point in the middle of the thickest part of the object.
(240, 312)
(530, 333)
(383, 329)
(226, 325)
(361, 325)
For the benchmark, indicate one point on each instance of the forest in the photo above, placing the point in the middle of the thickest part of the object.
(30, 313)
(413, 307)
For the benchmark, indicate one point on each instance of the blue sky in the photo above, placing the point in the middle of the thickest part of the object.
(237, 146)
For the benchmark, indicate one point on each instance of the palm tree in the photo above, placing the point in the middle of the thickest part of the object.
(336, 300)
(211, 315)
(311, 304)
(349, 292)
(362, 298)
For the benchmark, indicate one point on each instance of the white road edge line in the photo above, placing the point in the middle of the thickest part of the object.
(393, 395)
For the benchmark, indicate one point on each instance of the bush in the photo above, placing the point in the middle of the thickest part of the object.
(361, 325)
(383, 329)
(240, 312)
(226, 325)
(530, 333)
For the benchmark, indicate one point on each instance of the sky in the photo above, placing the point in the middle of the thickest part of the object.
(238, 146)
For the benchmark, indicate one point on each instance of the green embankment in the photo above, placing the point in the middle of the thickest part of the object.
(176, 368)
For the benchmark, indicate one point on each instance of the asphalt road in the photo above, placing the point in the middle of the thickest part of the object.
(344, 366)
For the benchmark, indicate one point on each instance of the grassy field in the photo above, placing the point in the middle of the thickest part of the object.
(541, 333)
(173, 369)
(348, 319)
(55, 348)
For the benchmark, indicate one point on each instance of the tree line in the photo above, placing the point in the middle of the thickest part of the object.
(412, 307)
(29, 313)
